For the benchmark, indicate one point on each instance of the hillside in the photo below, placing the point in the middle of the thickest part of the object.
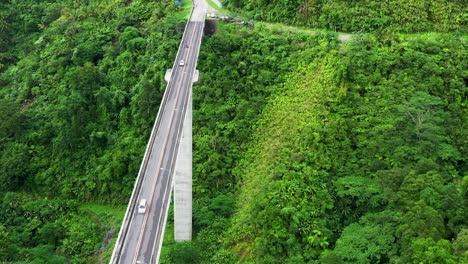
(309, 150)
(312, 150)
(383, 17)
(360, 160)
(306, 149)
(80, 83)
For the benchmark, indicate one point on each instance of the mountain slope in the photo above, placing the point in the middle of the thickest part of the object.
(360, 159)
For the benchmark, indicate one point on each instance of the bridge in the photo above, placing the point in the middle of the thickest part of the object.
(141, 235)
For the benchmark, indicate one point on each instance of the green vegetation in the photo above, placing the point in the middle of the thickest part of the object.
(111, 216)
(360, 159)
(214, 5)
(329, 152)
(80, 83)
(306, 149)
(385, 17)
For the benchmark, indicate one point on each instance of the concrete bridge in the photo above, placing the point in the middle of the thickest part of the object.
(168, 155)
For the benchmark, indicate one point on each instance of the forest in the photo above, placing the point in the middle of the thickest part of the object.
(80, 83)
(306, 149)
(381, 17)
(326, 152)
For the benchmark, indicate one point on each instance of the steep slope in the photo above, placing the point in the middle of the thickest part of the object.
(286, 192)
(360, 160)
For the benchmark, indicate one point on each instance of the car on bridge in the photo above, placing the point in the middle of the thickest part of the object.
(181, 63)
(142, 206)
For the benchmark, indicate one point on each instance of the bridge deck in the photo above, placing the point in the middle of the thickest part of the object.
(141, 235)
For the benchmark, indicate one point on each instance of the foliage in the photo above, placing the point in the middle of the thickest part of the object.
(372, 240)
(225, 110)
(305, 149)
(75, 108)
(428, 251)
(80, 85)
(184, 252)
(358, 155)
(460, 245)
(362, 16)
(49, 230)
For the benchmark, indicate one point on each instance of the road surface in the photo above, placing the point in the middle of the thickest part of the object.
(145, 232)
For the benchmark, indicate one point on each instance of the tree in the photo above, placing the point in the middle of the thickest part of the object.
(44, 254)
(426, 250)
(14, 166)
(426, 127)
(357, 195)
(184, 252)
(12, 120)
(8, 247)
(421, 221)
(372, 240)
(460, 245)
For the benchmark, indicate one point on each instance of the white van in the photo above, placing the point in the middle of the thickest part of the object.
(142, 206)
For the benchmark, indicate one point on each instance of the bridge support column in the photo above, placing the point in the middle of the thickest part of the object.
(183, 181)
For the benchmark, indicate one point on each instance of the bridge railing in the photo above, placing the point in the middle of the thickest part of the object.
(137, 187)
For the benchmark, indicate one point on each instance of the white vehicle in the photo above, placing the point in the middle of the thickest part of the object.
(181, 63)
(142, 206)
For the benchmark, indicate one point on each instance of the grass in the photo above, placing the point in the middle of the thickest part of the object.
(168, 241)
(187, 3)
(297, 29)
(115, 216)
(117, 212)
(215, 6)
(183, 15)
(429, 36)
(224, 11)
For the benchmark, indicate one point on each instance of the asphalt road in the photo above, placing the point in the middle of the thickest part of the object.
(144, 236)
(200, 9)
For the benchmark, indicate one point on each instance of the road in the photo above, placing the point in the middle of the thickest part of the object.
(143, 238)
(200, 9)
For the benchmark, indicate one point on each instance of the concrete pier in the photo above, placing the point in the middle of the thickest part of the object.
(183, 182)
